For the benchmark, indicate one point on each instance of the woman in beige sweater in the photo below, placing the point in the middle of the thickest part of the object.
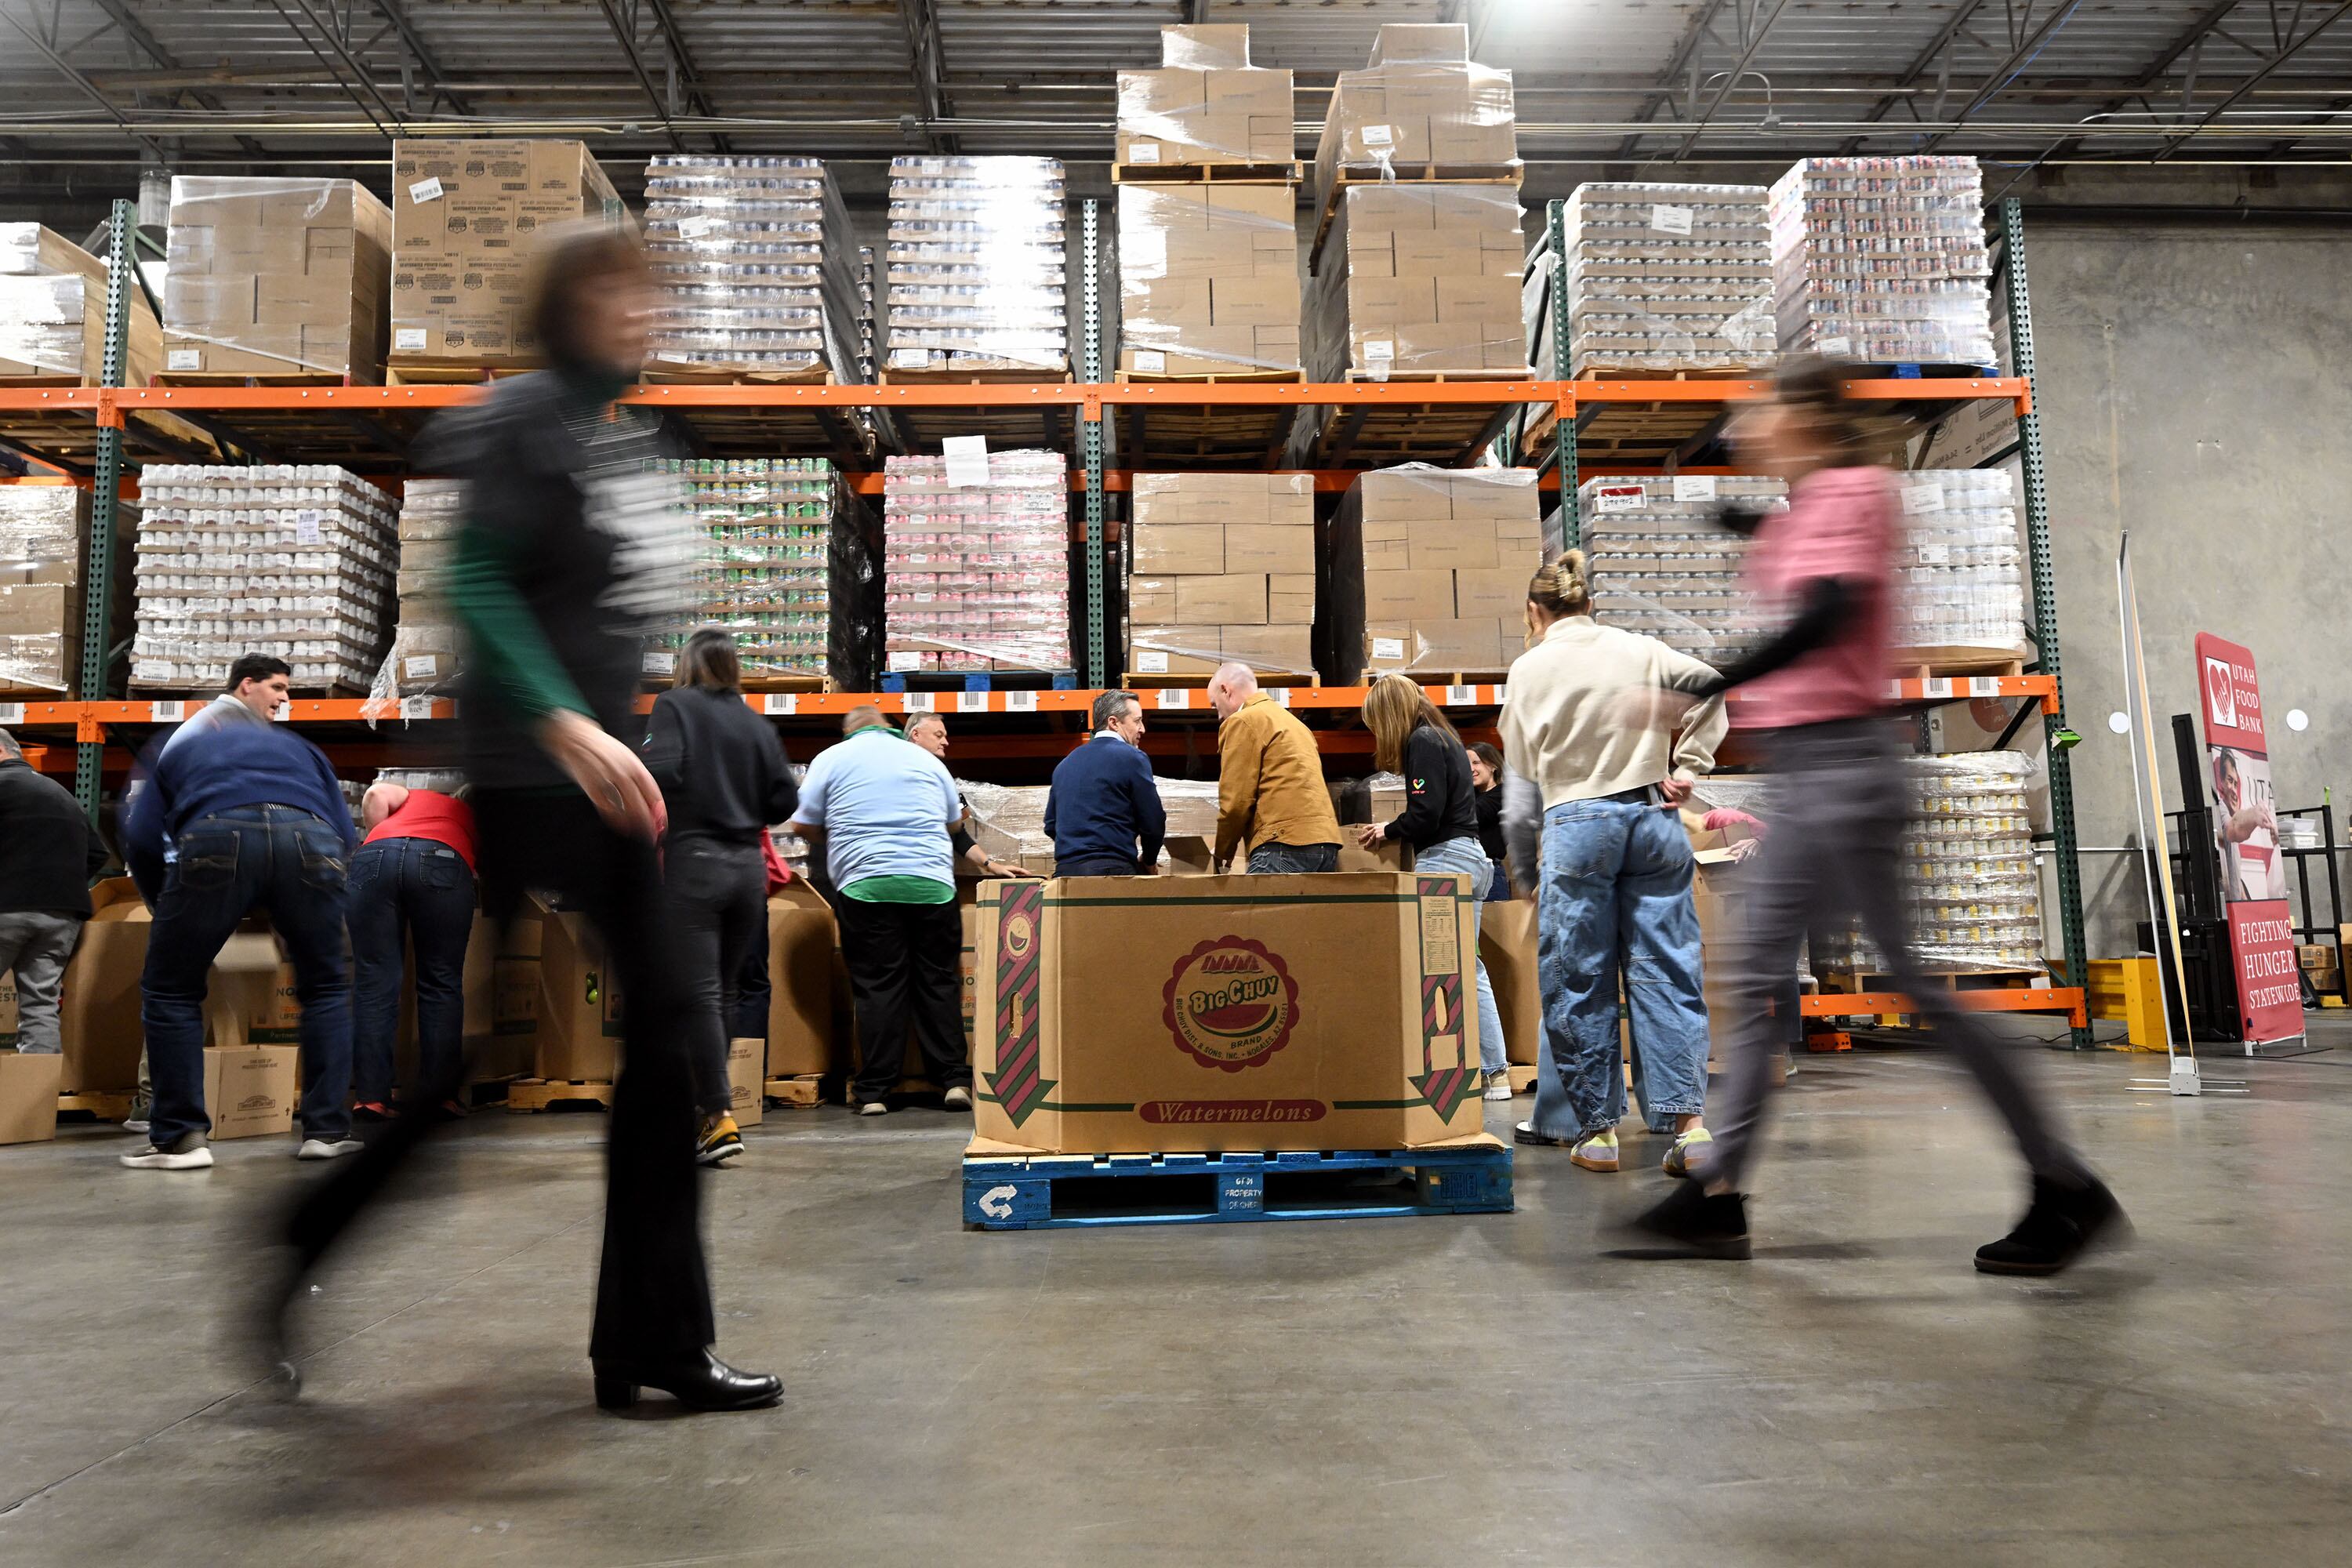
(1611, 871)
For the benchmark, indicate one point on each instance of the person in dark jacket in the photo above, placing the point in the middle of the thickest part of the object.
(1440, 820)
(256, 818)
(1104, 812)
(572, 554)
(1487, 781)
(411, 895)
(48, 853)
(723, 776)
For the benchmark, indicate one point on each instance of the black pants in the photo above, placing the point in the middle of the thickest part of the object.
(903, 957)
(719, 901)
(1097, 865)
(653, 1292)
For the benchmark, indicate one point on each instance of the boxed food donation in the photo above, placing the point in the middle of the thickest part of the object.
(1421, 101)
(271, 277)
(1221, 567)
(53, 312)
(1208, 280)
(1426, 569)
(1416, 279)
(1206, 104)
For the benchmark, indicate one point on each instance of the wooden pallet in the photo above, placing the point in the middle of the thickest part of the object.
(1252, 436)
(242, 378)
(1179, 680)
(732, 375)
(1601, 370)
(547, 1094)
(150, 691)
(799, 1093)
(1004, 375)
(449, 373)
(1645, 433)
(1434, 677)
(1040, 1192)
(1383, 433)
(1215, 378)
(1406, 174)
(1393, 378)
(1919, 663)
(981, 680)
(42, 378)
(1289, 174)
(98, 1104)
(1863, 982)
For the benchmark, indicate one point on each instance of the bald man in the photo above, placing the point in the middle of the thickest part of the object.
(1270, 792)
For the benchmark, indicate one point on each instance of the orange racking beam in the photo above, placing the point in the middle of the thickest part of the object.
(2066, 999)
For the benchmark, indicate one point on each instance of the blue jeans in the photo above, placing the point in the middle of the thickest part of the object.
(1499, 886)
(1271, 859)
(1616, 891)
(1465, 856)
(272, 857)
(422, 889)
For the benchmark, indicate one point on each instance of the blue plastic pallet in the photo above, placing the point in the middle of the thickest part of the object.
(981, 680)
(1039, 1192)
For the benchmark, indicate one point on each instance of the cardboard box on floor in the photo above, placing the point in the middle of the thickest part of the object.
(250, 1091)
(28, 1097)
(579, 1034)
(1507, 943)
(99, 1016)
(747, 1081)
(1116, 1014)
(802, 939)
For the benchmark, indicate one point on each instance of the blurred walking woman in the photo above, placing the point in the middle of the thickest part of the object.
(722, 775)
(1613, 873)
(1817, 692)
(1440, 820)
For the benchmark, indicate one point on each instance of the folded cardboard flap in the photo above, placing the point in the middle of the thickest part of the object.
(98, 1017)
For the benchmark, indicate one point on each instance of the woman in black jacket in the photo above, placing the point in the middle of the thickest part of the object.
(723, 777)
(1439, 819)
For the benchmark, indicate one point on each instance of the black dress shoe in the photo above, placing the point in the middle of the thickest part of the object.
(1691, 1223)
(700, 1382)
(2064, 1220)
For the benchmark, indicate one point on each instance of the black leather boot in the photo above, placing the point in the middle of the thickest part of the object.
(700, 1382)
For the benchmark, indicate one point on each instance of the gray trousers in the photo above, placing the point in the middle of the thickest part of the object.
(36, 946)
(1832, 847)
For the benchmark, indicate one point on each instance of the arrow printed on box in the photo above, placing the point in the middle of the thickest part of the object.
(1018, 1084)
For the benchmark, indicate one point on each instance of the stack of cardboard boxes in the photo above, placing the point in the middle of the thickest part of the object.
(1421, 102)
(1221, 567)
(424, 641)
(43, 530)
(1426, 570)
(53, 312)
(276, 278)
(1207, 105)
(464, 218)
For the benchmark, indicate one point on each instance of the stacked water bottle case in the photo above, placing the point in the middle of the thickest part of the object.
(975, 266)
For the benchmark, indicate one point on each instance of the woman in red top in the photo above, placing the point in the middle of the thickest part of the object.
(412, 886)
(1817, 693)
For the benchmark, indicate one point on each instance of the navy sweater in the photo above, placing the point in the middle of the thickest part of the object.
(1103, 801)
(241, 765)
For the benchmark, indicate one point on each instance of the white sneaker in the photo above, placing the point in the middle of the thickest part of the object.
(189, 1152)
(873, 1108)
(321, 1149)
(1499, 1085)
(957, 1100)
(136, 1124)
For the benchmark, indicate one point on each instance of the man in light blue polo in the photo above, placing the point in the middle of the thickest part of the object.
(882, 808)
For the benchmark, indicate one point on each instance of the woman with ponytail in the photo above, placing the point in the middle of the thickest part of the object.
(1611, 872)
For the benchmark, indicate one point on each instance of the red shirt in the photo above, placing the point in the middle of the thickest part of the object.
(1841, 523)
(429, 814)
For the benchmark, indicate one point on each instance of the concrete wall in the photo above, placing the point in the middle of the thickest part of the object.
(2195, 381)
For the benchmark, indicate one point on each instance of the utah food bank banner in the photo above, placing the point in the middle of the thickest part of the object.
(2253, 872)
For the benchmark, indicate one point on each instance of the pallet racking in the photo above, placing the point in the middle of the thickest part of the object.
(84, 432)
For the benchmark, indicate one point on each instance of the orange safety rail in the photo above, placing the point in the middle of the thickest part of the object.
(2066, 999)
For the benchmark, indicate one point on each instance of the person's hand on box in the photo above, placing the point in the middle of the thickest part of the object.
(1370, 836)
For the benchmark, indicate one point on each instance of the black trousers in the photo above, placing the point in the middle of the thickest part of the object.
(653, 1292)
(718, 896)
(904, 959)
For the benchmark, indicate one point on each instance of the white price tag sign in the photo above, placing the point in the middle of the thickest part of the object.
(1694, 487)
(1151, 662)
(1502, 694)
(972, 701)
(416, 708)
(409, 340)
(1936, 687)
(1934, 555)
(661, 664)
(901, 662)
(1461, 696)
(1620, 498)
(427, 189)
(1150, 361)
(306, 528)
(1834, 346)
(167, 712)
(909, 359)
(1380, 349)
(1984, 686)
(1379, 135)
(1281, 695)
(184, 359)
(916, 702)
(1174, 697)
(1388, 647)
(1144, 152)
(776, 702)
(1021, 702)
(1670, 220)
(966, 461)
(1922, 496)
(12, 712)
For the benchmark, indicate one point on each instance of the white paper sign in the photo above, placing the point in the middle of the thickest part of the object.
(1833, 345)
(416, 708)
(967, 457)
(776, 702)
(1694, 487)
(1021, 702)
(906, 661)
(661, 664)
(1620, 498)
(418, 666)
(427, 189)
(1151, 362)
(1380, 136)
(306, 528)
(1388, 647)
(1379, 348)
(408, 339)
(972, 701)
(1144, 152)
(184, 359)
(1149, 661)
(1670, 220)
(909, 359)
(1922, 495)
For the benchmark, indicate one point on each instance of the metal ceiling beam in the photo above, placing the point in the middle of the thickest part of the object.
(124, 17)
(1757, 26)
(365, 81)
(2206, 25)
(624, 32)
(923, 23)
(89, 87)
(2293, 48)
(1663, 92)
(2017, 59)
(688, 75)
(1927, 57)
(436, 79)
(1196, 12)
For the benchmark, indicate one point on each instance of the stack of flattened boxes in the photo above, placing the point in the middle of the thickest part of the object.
(53, 312)
(1221, 567)
(1423, 277)
(1208, 272)
(464, 218)
(276, 278)
(1426, 572)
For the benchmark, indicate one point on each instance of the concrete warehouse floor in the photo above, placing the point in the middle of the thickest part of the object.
(1405, 1392)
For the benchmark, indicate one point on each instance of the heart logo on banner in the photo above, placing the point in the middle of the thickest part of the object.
(2220, 695)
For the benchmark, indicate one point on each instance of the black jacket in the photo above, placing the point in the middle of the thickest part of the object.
(721, 767)
(47, 850)
(1490, 822)
(1440, 802)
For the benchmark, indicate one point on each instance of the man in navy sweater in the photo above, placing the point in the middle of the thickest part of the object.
(257, 821)
(1104, 811)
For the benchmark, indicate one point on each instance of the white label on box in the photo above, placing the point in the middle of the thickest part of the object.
(916, 702)
(406, 338)
(695, 227)
(1833, 345)
(909, 359)
(1670, 220)
(776, 702)
(306, 528)
(1379, 348)
(1934, 555)
(419, 666)
(169, 712)
(1922, 495)
(1694, 487)
(184, 359)
(967, 457)
(1984, 686)
(906, 661)
(427, 189)
(1175, 697)
(661, 664)
(1021, 702)
(1461, 696)
(1144, 152)
(1936, 688)
(416, 708)
(1380, 136)
(972, 701)
(1150, 661)
(1620, 498)
(1388, 647)
(1150, 360)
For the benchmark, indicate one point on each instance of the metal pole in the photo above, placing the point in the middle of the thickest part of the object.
(2056, 737)
(1564, 432)
(97, 563)
(1090, 435)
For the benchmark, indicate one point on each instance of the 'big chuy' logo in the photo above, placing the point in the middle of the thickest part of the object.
(1230, 1003)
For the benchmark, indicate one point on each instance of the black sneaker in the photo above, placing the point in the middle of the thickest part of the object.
(1693, 1223)
(2063, 1222)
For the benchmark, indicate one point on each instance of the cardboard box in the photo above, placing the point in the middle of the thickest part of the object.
(802, 942)
(1506, 945)
(1224, 1013)
(1159, 549)
(579, 1035)
(1422, 100)
(1269, 547)
(98, 1014)
(53, 312)
(500, 988)
(28, 1097)
(8, 1030)
(249, 1090)
(271, 277)
(1223, 600)
(747, 1081)
(1290, 600)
